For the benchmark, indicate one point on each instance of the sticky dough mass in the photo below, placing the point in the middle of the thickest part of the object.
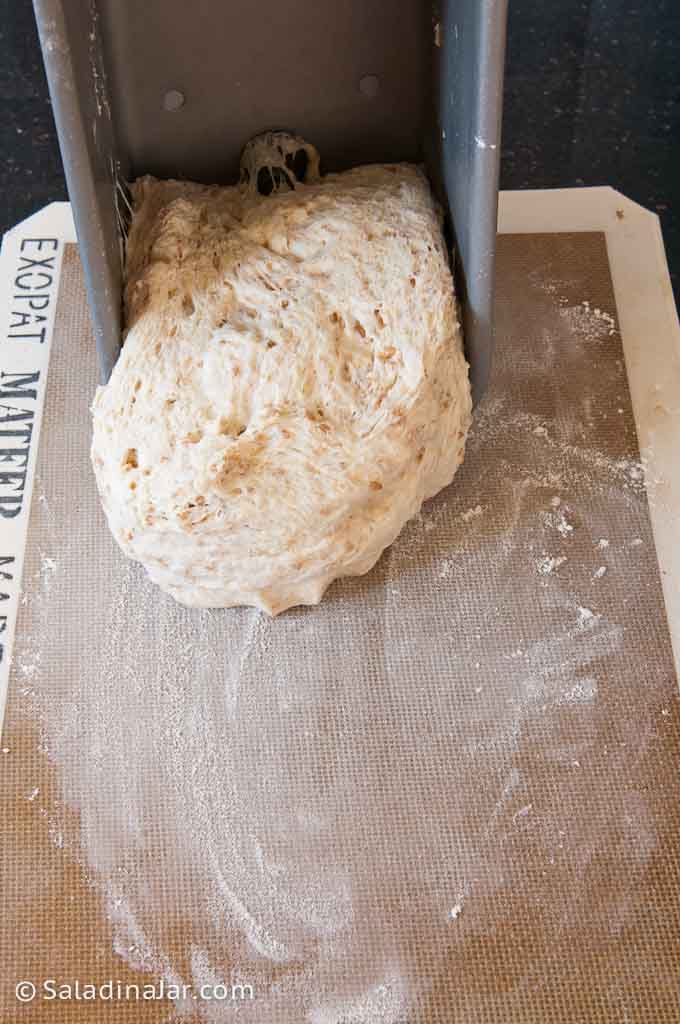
(292, 385)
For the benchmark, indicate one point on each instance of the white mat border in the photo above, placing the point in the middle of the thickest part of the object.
(52, 222)
(650, 333)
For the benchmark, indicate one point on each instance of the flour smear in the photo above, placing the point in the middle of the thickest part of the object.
(326, 805)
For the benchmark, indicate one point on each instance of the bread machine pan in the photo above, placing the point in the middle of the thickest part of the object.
(176, 89)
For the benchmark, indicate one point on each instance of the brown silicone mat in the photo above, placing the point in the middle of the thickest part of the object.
(450, 793)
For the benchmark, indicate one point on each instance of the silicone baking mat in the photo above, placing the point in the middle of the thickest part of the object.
(449, 793)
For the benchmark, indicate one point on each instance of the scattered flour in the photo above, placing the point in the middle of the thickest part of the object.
(549, 564)
(586, 618)
(384, 1004)
(588, 323)
(48, 568)
(584, 691)
(558, 520)
(633, 469)
(447, 568)
(472, 513)
(456, 910)
(56, 835)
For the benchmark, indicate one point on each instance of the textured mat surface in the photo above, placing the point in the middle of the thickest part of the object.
(448, 793)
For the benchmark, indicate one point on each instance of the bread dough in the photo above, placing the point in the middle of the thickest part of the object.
(291, 388)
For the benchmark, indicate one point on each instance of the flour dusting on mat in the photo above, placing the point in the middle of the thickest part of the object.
(549, 564)
(586, 322)
(330, 806)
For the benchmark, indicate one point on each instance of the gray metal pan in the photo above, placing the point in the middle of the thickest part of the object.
(175, 88)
